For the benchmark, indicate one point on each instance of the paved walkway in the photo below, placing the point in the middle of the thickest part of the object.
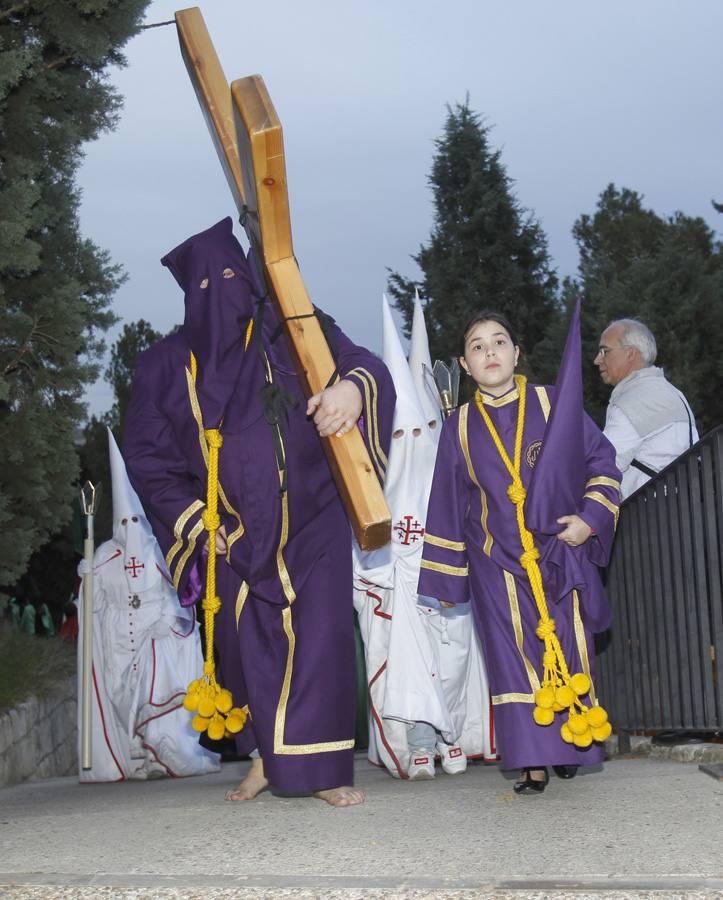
(637, 828)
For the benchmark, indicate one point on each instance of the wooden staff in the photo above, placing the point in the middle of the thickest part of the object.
(89, 497)
(248, 138)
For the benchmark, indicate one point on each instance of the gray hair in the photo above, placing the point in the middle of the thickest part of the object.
(637, 334)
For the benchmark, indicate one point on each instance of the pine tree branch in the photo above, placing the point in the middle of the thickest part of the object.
(59, 61)
(7, 13)
(25, 348)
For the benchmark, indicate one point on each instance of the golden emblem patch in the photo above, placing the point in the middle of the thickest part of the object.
(532, 452)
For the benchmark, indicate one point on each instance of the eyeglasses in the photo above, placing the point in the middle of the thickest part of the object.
(603, 351)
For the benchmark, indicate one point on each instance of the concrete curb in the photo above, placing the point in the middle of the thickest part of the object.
(641, 745)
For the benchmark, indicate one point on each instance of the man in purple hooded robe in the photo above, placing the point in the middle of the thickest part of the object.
(284, 634)
(472, 547)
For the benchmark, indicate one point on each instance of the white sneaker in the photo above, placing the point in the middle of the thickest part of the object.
(454, 762)
(421, 766)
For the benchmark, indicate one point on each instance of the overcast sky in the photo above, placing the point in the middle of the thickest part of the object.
(579, 94)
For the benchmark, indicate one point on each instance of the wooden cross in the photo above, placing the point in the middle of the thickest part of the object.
(248, 138)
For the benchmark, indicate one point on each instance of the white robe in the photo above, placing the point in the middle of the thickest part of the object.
(144, 657)
(423, 663)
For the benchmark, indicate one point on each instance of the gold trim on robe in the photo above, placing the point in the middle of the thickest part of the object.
(496, 402)
(603, 481)
(243, 593)
(544, 399)
(280, 747)
(601, 498)
(582, 643)
(379, 458)
(196, 410)
(280, 724)
(445, 570)
(435, 541)
(178, 529)
(183, 559)
(499, 699)
(517, 627)
(464, 443)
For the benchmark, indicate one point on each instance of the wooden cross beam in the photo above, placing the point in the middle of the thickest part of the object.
(249, 141)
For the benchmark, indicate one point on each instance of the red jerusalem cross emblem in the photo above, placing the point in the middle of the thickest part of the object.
(409, 530)
(133, 565)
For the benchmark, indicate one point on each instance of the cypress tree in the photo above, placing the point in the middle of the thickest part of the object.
(485, 250)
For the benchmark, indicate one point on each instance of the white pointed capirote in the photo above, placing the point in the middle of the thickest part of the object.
(142, 556)
(420, 364)
(408, 410)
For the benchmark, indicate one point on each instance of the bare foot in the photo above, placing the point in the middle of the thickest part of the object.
(252, 785)
(341, 796)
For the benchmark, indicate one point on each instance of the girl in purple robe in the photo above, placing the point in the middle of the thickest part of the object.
(537, 598)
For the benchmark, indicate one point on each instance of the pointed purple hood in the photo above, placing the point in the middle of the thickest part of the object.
(558, 481)
(213, 272)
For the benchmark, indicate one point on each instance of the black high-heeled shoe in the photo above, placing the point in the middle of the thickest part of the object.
(528, 785)
(566, 772)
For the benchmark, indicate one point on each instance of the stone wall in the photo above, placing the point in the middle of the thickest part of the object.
(38, 739)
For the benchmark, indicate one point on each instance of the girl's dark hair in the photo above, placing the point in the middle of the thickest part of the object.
(488, 315)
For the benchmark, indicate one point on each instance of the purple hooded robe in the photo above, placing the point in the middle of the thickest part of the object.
(472, 548)
(284, 635)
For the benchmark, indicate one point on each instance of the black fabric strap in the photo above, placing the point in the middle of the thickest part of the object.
(647, 470)
(276, 402)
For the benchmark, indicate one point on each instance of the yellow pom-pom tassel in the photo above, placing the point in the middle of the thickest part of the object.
(597, 717)
(194, 686)
(190, 702)
(236, 720)
(602, 732)
(566, 734)
(545, 697)
(543, 715)
(583, 740)
(565, 696)
(206, 707)
(577, 724)
(580, 683)
(216, 728)
(557, 708)
(199, 723)
(224, 701)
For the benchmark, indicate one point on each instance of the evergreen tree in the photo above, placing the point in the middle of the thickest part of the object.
(667, 272)
(94, 459)
(485, 250)
(55, 286)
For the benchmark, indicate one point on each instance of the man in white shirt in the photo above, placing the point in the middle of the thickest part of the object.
(648, 420)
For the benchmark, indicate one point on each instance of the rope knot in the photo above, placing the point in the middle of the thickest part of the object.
(212, 605)
(214, 438)
(529, 557)
(545, 628)
(211, 520)
(517, 493)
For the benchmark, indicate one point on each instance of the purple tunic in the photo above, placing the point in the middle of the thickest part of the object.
(284, 634)
(472, 548)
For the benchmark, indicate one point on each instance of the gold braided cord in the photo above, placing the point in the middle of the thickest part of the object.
(213, 705)
(559, 690)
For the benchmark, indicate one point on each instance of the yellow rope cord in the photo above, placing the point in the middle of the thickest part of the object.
(212, 704)
(559, 690)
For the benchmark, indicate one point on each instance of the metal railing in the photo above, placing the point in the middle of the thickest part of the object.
(660, 667)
